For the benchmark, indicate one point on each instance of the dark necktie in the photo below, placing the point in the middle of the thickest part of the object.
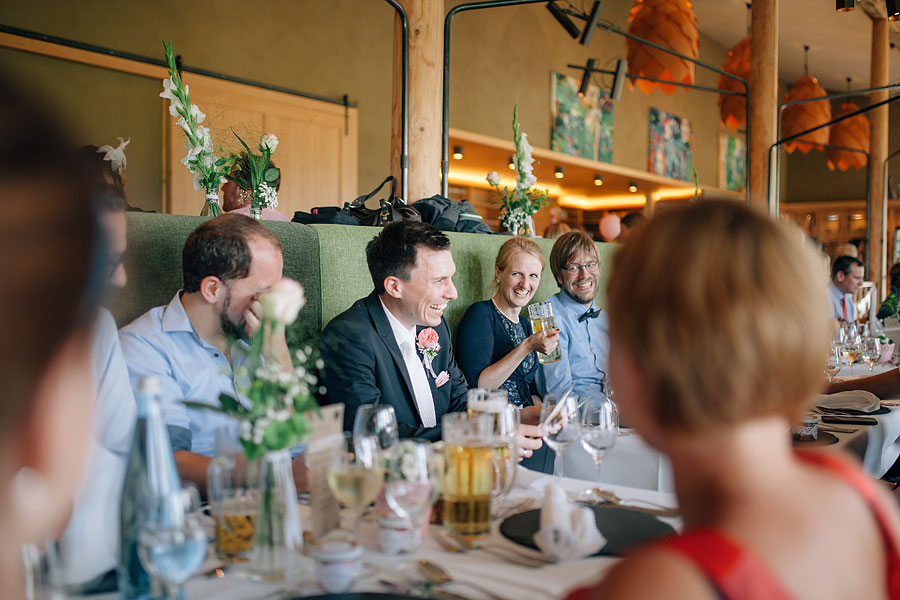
(591, 314)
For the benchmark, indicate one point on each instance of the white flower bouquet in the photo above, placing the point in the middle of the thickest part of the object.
(209, 170)
(261, 178)
(520, 202)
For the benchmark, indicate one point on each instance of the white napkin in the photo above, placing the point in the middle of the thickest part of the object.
(568, 532)
(855, 399)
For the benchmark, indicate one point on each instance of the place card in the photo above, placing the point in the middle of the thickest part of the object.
(326, 438)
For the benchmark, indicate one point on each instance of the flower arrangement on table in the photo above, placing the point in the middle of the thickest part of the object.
(521, 202)
(259, 182)
(278, 397)
(209, 170)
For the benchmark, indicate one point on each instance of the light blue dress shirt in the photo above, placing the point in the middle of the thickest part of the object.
(584, 347)
(162, 342)
(837, 311)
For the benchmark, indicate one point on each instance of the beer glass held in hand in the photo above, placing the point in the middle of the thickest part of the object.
(468, 474)
(541, 316)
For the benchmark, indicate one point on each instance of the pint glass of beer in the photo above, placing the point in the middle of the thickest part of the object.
(505, 427)
(468, 474)
(541, 316)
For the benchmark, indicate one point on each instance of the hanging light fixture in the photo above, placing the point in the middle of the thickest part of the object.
(733, 109)
(591, 24)
(632, 187)
(457, 152)
(669, 23)
(844, 5)
(586, 78)
(849, 133)
(563, 19)
(559, 173)
(598, 179)
(801, 117)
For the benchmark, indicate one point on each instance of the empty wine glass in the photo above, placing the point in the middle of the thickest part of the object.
(599, 427)
(871, 352)
(832, 364)
(559, 425)
(376, 421)
(411, 483)
(173, 544)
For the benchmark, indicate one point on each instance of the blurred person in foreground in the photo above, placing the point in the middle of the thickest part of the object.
(712, 368)
(49, 293)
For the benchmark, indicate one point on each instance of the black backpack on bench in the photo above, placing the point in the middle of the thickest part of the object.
(450, 215)
(355, 213)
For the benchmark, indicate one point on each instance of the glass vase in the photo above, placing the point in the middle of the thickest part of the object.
(278, 535)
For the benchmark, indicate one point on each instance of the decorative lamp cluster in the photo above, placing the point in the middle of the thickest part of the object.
(733, 109)
(669, 23)
(801, 117)
(849, 133)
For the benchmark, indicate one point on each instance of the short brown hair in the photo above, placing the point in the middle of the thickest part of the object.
(725, 308)
(518, 244)
(568, 245)
(221, 248)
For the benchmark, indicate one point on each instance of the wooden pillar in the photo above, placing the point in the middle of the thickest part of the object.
(763, 101)
(426, 39)
(877, 153)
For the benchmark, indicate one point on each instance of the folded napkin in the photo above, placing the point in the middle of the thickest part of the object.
(568, 532)
(855, 399)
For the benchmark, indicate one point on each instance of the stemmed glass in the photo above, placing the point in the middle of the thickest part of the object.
(559, 425)
(871, 352)
(378, 422)
(173, 544)
(851, 349)
(411, 483)
(356, 478)
(832, 364)
(599, 427)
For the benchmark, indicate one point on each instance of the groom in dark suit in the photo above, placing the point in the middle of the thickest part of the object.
(393, 346)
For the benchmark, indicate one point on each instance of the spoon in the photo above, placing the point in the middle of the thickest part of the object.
(437, 574)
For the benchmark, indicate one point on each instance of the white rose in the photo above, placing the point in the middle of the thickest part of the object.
(268, 141)
(283, 302)
(493, 178)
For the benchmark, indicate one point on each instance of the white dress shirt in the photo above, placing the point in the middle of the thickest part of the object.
(406, 340)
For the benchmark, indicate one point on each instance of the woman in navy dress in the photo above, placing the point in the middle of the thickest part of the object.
(494, 348)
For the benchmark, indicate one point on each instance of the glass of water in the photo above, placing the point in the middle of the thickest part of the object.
(173, 545)
(559, 425)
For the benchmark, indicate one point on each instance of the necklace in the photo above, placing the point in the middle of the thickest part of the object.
(503, 313)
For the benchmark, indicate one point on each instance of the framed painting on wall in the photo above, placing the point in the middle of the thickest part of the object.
(582, 125)
(732, 162)
(670, 146)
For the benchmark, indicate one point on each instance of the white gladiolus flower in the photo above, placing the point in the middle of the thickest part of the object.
(168, 87)
(493, 178)
(174, 108)
(197, 114)
(196, 181)
(269, 141)
(283, 302)
(182, 122)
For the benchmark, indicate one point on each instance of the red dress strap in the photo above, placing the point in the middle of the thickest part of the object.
(865, 486)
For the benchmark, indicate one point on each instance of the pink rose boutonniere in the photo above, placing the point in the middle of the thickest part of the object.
(429, 346)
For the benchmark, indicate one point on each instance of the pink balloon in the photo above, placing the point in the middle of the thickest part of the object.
(610, 227)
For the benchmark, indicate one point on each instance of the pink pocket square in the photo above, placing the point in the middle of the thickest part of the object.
(442, 378)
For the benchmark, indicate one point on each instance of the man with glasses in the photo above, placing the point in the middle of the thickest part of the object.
(583, 340)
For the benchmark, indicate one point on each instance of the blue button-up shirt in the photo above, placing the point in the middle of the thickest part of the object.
(584, 347)
(162, 342)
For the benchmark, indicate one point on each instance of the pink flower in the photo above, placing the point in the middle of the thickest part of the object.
(428, 338)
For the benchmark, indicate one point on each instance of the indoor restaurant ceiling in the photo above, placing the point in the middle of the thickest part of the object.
(839, 43)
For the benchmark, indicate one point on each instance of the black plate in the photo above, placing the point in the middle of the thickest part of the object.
(356, 596)
(882, 410)
(824, 439)
(622, 528)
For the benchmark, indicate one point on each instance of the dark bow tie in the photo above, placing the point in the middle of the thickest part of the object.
(591, 314)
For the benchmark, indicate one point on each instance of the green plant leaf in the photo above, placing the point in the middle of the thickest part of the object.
(277, 435)
(272, 174)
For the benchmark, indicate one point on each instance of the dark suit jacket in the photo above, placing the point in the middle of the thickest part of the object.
(363, 365)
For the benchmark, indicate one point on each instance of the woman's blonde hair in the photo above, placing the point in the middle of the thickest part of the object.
(517, 244)
(725, 314)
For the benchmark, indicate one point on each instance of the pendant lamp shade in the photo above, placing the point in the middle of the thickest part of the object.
(733, 109)
(669, 23)
(850, 133)
(801, 117)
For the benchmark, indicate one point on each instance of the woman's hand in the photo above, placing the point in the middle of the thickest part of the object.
(543, 341)
(529, 440)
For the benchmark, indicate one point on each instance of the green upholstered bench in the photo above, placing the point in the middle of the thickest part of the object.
(329, 260)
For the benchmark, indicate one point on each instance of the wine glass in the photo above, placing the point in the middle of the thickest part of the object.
(832, 364)
(871, 352)
(599, 427)
(411, 483)
(559, 425)
(173, 544)
(851, 350)
(376, 421)
(356, 478)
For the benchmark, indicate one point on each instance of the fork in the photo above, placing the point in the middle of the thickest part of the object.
(609, 497)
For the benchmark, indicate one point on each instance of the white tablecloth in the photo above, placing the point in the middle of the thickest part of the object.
(504, 579)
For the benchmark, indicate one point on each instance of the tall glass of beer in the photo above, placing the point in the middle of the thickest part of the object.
(468, 474)
(541, 316)
(505, 424)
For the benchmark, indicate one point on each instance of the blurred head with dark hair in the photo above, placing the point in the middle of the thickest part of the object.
(48, 299)
(412, 271)
(847, 273)
(632, 223)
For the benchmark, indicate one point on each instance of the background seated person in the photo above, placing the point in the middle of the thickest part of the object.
(583, 342)
(761, 520)
(237, 200)
(197, 343)
(846, 275)
(494, 348)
